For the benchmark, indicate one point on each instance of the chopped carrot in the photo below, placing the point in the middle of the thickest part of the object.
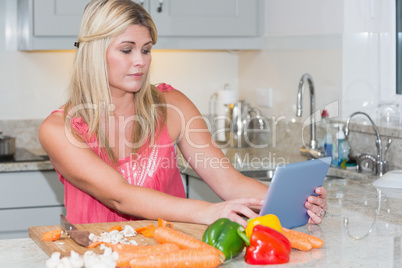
(169, 235)
(147, 231)
(51, 235)
(315, 241)
(95, 244)
(163, 223)
(116, 227)
(192, 258)
(129, 252)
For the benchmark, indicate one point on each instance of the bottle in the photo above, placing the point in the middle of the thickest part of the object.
(326, 136)
(341, 148)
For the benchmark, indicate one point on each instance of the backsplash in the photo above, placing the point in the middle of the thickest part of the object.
(288, 137)
(284, 135)
(25, 132)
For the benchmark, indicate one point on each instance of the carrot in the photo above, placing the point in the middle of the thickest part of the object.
(163, 223)
(51, 235)
(129, 252)
(192, 258)
(116, 227)
(315, 241)
(95, 244)
(169, 235)
(147, 231)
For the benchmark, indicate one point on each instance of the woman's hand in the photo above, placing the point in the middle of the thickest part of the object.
(316, 205)
(235, 210)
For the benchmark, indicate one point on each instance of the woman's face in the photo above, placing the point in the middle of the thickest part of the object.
(128, 58)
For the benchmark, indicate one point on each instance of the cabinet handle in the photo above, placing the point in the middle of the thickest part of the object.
(159, 9)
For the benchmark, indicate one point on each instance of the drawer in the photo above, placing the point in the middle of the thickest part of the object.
(30, 189)
(17, 221)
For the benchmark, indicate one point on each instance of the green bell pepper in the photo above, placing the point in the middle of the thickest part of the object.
(222, 234)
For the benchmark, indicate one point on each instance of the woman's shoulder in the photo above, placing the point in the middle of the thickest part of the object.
(172, 95)
(52, 123)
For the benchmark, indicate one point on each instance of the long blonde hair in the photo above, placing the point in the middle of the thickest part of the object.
(90, 96)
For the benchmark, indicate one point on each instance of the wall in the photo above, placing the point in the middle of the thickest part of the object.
(349, 49)
(33, 83)
(347, 46)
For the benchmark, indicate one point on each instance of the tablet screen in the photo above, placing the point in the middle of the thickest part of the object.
(290, 187)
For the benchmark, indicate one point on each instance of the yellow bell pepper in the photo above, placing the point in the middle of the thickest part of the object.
(269, 220)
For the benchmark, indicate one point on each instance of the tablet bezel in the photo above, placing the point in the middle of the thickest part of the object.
(290, 187)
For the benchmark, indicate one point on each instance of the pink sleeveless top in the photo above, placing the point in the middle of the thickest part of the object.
(156, 168)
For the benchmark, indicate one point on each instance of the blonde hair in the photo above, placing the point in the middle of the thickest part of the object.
(90, 97)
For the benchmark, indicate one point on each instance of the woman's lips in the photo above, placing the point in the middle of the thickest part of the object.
(136, 75)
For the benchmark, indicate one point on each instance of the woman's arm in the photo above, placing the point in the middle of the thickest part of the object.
(198, 148)
(85, 170)
(209, 162)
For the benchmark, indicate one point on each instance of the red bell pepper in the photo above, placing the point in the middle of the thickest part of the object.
(266, 246)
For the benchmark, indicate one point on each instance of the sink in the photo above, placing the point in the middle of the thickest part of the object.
(267, 174)
(262, 175)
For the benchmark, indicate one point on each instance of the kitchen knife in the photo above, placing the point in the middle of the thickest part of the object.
(78, 236)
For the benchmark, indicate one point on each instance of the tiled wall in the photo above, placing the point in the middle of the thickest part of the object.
(287, 136)
(283, 135)
(25, 132)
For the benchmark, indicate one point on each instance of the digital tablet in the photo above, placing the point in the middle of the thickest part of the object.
(289, 189)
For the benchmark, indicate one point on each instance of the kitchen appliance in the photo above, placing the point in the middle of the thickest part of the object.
(81, 237)
(218, 105)
(240, 128)
(7, 146)
(22, 155)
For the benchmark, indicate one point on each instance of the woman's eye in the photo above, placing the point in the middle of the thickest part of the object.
(126, 51)
(146, 51)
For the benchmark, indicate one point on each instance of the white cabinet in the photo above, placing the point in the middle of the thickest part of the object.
(30, 198)
(197, 189)
(181, 24)
(205, 18)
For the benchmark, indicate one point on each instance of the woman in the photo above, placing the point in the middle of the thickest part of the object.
(113, 142)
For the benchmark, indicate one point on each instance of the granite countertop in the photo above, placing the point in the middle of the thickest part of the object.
(34, 165)
(372, 237)
(362, 227)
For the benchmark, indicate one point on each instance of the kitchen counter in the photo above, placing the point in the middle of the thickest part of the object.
(369, 214)
(30, 165)
(254, 159)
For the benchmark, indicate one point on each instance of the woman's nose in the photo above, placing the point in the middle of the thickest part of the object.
(138, 59)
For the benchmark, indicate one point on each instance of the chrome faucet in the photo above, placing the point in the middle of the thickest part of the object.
(313, 151)
(381, 165)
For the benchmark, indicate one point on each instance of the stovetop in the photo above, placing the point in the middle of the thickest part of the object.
(23, 155)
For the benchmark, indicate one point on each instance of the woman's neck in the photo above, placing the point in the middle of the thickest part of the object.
(123, 105)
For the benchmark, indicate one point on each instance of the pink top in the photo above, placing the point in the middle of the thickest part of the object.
(156, 168)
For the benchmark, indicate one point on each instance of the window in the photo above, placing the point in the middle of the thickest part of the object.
(398, 46)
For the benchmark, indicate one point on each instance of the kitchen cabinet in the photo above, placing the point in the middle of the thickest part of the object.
(181, 24)
(29, 198)
(197, 189)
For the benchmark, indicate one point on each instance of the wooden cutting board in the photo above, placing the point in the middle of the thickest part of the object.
(65, 244)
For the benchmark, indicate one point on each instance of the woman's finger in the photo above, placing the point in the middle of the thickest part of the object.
(314, 218)
(247, 201)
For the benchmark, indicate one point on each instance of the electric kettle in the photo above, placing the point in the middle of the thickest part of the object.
(240, 129)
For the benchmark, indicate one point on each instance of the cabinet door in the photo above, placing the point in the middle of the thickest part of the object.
(60, 17)
(205, 18)
(30, 189)
(198, 189)
(14, 223)
(57, 17)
